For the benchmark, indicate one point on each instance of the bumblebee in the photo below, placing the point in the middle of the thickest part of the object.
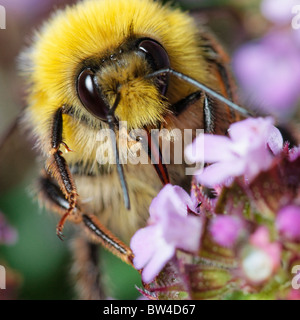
(96, 64)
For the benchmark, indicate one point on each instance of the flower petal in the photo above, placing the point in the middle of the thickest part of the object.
(143, 245)
(215, 148)
(183, 232)
(157, 262)
(171, 199)
(275, 140)
(218, 173)
(278, 11)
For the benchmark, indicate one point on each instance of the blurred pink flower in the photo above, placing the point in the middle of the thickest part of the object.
(261, 239)
(8, 235)
(225, 230)
(269, 71)
(288, 223)
(262, 258)
(278, 11)
(18, 6)
(169, 227)
(31, 9)
(294, 294)
(246, 151)
(294, 153)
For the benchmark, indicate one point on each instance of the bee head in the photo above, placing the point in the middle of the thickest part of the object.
(123, 72)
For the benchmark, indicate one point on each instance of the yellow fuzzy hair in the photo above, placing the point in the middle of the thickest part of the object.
(93, 28)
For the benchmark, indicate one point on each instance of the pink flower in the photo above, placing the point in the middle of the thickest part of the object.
(294, 153)
(262, 257)
(225, 230)
(8, 235)
(261, 239)
(278, 11)
(268, 70)
(294, 294)
(29, 6)
(249, 149)
(169, 227)
(288, 222)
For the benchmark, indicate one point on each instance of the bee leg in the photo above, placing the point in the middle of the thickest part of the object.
(96, 232)
(181, 105)
(208, 117)
(59, 170)
(53, 198)
(85, 253)
(101, 235)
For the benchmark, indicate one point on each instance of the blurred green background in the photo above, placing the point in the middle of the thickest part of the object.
(38, 264)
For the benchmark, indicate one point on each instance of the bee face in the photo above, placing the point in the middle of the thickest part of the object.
(115, 43)
(123, 72)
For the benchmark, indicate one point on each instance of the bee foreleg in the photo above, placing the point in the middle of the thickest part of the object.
(99, 234)
(54, 199)
(85, 254)
(208, 118)
(59, 170)
(181, 105)
(86, 267)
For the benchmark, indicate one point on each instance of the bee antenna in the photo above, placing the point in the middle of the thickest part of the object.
(200, 86)
(111, 122)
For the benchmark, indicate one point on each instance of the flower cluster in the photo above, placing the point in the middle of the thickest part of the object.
(241, 242)
(246, 151)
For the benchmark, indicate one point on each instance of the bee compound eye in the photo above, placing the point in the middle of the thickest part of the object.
(158, 58)
(155, 52)
(90, 96)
